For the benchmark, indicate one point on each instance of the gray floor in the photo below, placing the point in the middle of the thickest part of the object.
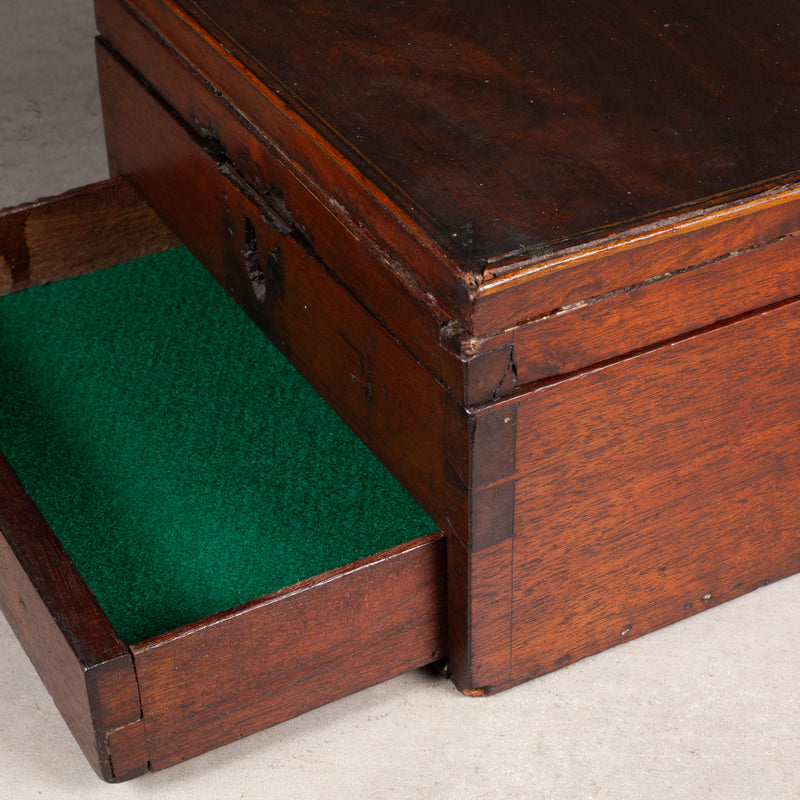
(705, 709)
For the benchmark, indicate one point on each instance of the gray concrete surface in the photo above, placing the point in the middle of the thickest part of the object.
(704, 709)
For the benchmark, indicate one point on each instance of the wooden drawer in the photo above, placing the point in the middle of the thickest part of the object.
(137, 703)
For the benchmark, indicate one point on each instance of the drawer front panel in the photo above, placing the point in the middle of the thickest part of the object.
(331, 636)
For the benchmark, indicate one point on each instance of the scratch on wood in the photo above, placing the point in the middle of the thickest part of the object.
(14, 249)
(509, 375)
(364, 375)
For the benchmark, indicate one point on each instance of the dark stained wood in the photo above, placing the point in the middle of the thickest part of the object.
(501, 132)
(396, 406)
(80, 231)
(129, 752)
(404, 246)
(543, 264)
(480, 554)
(292, 651)
(656, 253)
(300, 653)
(347, 246)
(655, 487)
(543, 126)
(81, 660)
(224, 677)
(271, 143)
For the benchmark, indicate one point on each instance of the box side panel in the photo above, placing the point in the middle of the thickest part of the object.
(80, 231)
(324, 639)
(655, 487)
(378, 388)
(83, 664)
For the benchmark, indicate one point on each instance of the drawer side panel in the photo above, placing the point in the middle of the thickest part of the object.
(85, 667)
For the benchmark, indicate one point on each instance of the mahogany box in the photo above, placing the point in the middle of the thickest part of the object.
(544, 264)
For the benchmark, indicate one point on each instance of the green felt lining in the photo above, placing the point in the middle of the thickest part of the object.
(183, 463)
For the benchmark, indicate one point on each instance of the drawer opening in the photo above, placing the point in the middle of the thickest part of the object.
(185, 466)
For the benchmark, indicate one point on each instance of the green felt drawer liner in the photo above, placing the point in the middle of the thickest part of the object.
(183, 463)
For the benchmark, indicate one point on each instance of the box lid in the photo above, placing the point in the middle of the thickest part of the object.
(530, 154)
(507, 130)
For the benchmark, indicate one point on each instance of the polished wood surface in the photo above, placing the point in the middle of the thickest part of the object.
(86, 667)
(654, 254)
(361, 257)
(85, 229)
(473, 332)
(506, 129)
(691, 299)
(656, 487)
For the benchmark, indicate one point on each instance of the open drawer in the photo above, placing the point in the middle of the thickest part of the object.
(149, 658)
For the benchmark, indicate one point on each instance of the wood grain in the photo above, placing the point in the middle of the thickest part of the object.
(79, 657)
(498, 130)
(405, 245)
(650, 254)
(348, 247)
(496, 136)
(691, 299)
(480, 616)
(292, 651)
(656, 487)
(460, 340)
(80, 231)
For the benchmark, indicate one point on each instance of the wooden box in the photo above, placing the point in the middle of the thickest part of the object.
(544, 264)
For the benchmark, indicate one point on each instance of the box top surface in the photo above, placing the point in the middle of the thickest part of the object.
(510, 134)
